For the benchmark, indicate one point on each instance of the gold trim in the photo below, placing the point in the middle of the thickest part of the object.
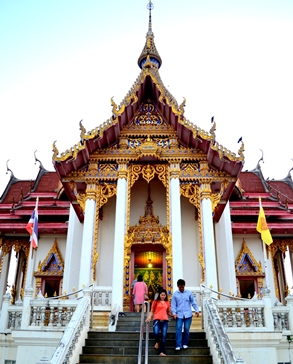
(95, 254)
(42, 266)
(216, 197)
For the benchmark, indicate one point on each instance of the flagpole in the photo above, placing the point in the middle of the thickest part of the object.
(266, 238)
(32, 228)
(30, 268)
(265, 264)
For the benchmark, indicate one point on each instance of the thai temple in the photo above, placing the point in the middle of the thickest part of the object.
(146, 192)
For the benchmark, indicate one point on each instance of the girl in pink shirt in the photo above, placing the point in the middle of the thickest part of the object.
(140, 289)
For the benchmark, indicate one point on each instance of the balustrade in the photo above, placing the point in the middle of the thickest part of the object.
(281, 318)
(102, 298)
(241, 314)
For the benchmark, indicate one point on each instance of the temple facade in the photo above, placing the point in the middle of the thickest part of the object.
(146, 192)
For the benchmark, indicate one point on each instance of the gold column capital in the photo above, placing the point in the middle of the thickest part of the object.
(205, 191)
(92, 192)
(174, 169)
(122, 171)
(204, 167)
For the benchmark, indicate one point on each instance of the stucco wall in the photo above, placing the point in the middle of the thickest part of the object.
(105, 246)
(190, 245)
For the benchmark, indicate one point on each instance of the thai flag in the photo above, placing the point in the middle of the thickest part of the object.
(32, 227)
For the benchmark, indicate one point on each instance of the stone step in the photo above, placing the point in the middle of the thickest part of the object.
(93, 334)
(152, 359)
(121, 347)
(133, 350)
(196, 343)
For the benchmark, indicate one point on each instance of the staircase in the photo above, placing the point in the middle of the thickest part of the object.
(121, 346)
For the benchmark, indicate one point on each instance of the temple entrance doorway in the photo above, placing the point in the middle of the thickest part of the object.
(149, 261)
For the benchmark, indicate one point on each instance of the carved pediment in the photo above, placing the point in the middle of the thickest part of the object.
(246, 265)
(53, 264)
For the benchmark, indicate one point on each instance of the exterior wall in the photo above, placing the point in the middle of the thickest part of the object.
(30, 352)
(190, 245)
(255, 347)
(8, 348)
(73, 253)
(225, 253)
(106, 244)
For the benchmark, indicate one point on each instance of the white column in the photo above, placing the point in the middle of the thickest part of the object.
(4, 276)
(120, 227)
(30, 267)
(72, 262)
(85, 276)
(225, 252)
(175, 224)
(208, 237)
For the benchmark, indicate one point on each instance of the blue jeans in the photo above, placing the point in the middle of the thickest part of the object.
(160, 326)
(182, 339)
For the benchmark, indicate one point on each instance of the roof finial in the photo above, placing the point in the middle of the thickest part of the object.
(150, 6)
(149, 55)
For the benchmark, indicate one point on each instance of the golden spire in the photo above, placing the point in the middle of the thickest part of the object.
(149, 52)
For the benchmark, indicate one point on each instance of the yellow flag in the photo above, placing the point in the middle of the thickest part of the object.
(262, 227)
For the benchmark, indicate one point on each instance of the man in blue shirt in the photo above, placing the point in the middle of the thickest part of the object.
(181, 303)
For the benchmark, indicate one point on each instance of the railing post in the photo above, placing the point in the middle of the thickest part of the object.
(206, 294)
(289, 300)
(26, 311)
(88, 292)
(268, 313)
(4, 317)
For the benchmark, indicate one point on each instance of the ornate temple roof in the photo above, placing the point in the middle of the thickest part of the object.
(19, 200)
(147, 86)
(277, 201)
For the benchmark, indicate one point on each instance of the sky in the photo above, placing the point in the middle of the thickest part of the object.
(62, 61)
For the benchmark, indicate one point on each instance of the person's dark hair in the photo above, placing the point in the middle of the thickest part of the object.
(180, 282)
(159, 292)
(139, 278)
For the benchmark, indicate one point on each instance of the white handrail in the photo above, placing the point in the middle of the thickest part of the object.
(67, 342)
(217, 330)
